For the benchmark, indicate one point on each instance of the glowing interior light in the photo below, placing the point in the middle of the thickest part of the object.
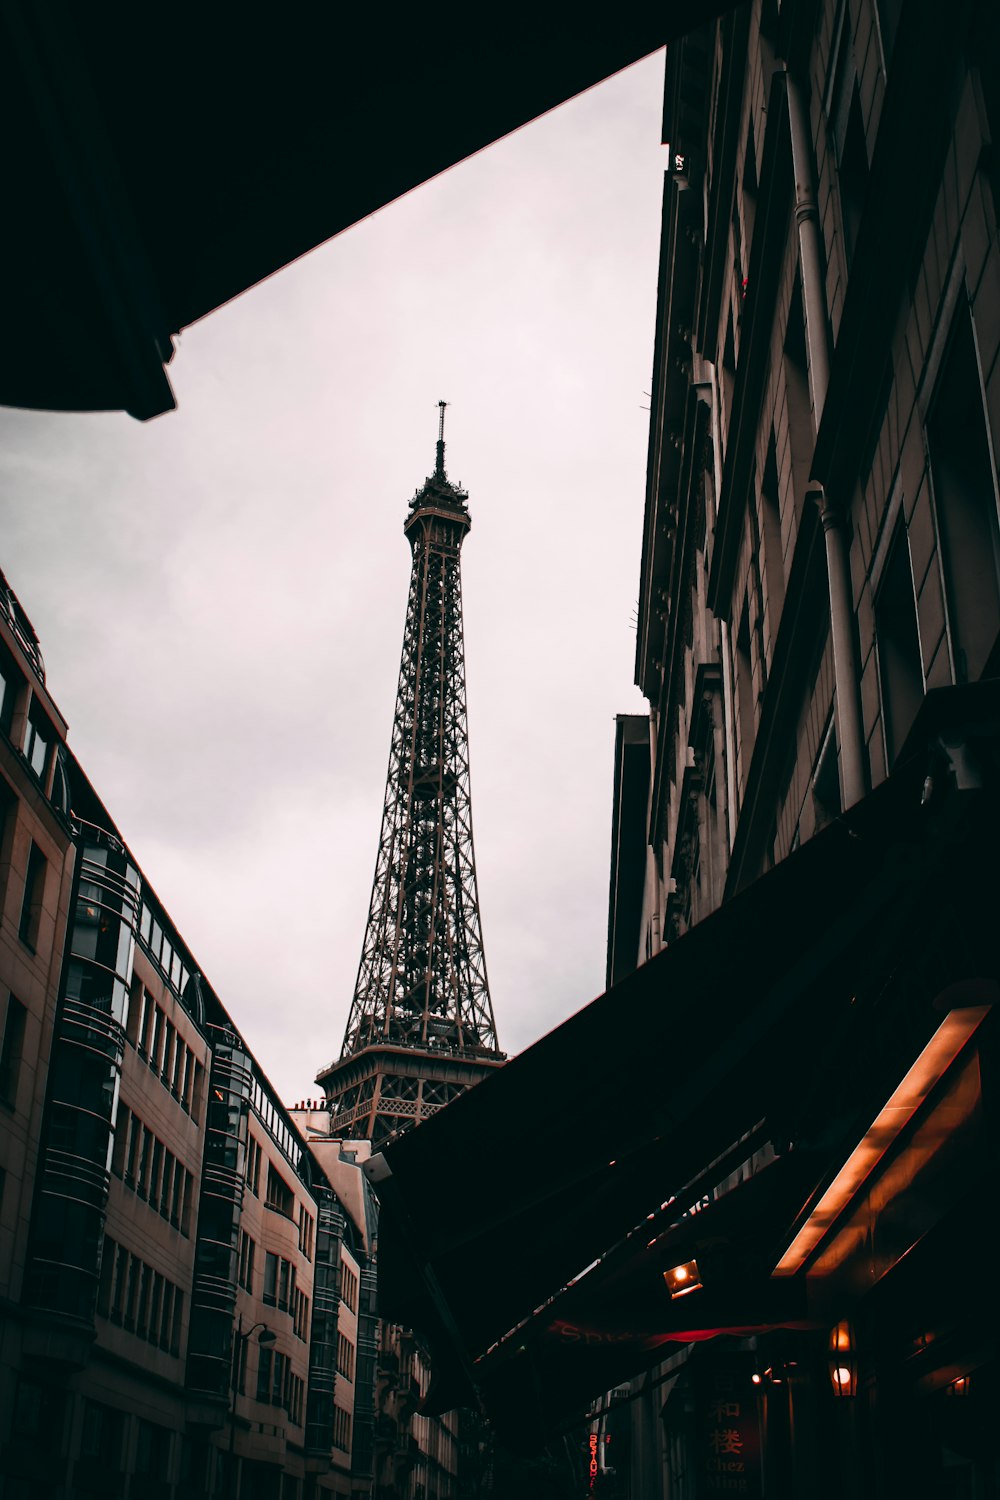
(842, 1375)
(940, 1052)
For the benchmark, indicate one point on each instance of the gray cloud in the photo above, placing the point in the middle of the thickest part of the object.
(220, 593)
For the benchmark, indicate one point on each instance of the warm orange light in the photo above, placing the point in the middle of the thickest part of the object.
(940, 1052)
(755, 1378)
(683, 1278)
(842, 1375)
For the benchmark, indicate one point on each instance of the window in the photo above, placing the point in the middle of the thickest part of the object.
(744, 691)
(11, 682)
(341, 1429)
(270, 1278)
(253, 1164)
(301, 1315)
(848, 133)
(306, 1227)
(11, 1050)
(349, 1287)
(265, 1360)
(34, 892)
(37, 739)
(898, 641)
(142, 1300)
(279, 1195)
(966, 501)
(152, 1450)
(345, 1357)
(245, 1273)
(101, 1434)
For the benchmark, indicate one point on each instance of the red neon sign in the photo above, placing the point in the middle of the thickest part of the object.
(592, 1468)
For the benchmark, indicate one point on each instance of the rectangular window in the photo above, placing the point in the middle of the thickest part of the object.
(965, 498)
(120, 1283)
(155, 1169)
(132, 1158)
(349, 1287)
(898, 642)
(265, 1359)
(11, 1050)
(145, 1022)
(279, 1195)
(246, 1261)
(37, 740)
(34, 893)
(341, 1429)
(305, 1232)
(177, 1195)
(253, 1164)
(169, 1038)
(121, 1140)
(167, 1315)
(283, 1283)
(170, 1166)
(155, 1039)
(345, 1357)
(270, 1278)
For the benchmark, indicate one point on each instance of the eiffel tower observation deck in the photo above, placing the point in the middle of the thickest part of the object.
(421, 1027)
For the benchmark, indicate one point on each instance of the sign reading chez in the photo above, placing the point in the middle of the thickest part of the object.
(727, 1428)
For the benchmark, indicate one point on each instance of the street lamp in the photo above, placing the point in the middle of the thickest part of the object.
(242, 1338)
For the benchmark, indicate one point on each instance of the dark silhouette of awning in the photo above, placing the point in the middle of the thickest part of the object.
(161, 160)
(527, 1229)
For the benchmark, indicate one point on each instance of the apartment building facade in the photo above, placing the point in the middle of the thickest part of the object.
(179, 1279)
(821, 551)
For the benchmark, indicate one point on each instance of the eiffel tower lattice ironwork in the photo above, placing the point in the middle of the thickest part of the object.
(421, 1027)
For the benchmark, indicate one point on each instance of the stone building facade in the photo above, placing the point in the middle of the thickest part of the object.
(184, 1294)
(821, 549)
(820, 543)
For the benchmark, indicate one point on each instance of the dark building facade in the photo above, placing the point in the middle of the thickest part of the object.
(821, 550)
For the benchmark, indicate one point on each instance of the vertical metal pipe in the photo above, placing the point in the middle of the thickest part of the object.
(850, 731)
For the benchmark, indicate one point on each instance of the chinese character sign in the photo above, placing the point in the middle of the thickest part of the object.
(727, 1430)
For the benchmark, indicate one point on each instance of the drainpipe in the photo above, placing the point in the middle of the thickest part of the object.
(833, 515)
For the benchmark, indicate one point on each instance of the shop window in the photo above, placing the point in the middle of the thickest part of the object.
(965, 497)
(898, 641)
(34, 892)
(12, 1050)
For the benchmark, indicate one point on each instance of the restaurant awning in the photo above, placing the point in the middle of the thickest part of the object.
(765, 1036)
(163, 159)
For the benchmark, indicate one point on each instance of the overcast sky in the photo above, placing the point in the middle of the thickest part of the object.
(220, 593)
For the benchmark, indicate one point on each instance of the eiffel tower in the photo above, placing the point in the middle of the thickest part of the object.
(421, 1027)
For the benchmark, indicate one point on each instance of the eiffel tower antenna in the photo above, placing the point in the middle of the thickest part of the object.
(421, 1029)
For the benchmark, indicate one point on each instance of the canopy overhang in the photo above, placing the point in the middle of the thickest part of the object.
(162, 161)
(529, 1230)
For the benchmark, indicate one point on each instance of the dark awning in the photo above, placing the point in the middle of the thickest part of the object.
(728, 1040)
(163, 159)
